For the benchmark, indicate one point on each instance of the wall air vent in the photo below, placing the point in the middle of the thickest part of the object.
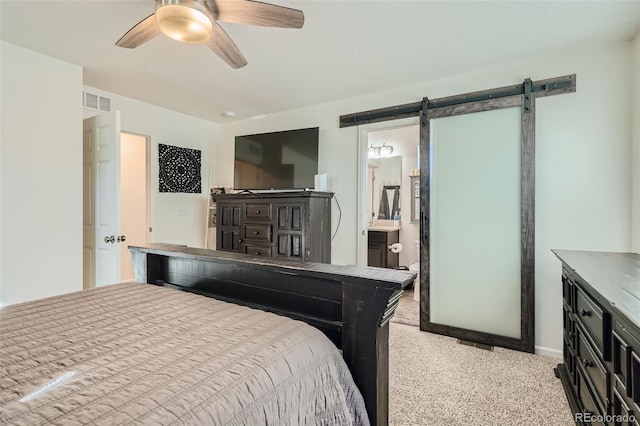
(95, 102)
(105, 104)
(90, 100)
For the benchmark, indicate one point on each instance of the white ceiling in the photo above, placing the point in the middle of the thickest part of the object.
(346, 48)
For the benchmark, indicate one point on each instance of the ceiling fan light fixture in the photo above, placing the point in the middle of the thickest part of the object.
(187, 21)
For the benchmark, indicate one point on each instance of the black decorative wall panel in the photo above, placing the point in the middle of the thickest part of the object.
(179, 169)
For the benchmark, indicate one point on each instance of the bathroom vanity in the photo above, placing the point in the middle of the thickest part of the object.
(380, 239)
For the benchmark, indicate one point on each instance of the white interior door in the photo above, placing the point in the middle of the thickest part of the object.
(107, 196)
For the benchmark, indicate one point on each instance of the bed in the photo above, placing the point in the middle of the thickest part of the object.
(186, 351)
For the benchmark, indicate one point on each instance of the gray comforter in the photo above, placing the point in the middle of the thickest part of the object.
(141, 354)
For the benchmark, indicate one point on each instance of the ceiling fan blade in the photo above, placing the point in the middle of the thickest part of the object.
(223, 46)
(256, 13)
(142, 32)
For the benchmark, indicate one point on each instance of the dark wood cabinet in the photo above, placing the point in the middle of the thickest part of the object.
(378, 253)
(601, 339)
(290, 224)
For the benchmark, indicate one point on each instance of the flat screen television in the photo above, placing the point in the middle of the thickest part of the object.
(278, 160)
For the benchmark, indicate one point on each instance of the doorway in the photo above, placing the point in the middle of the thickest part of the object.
(129, 184)
(134, 197)
(403, 137)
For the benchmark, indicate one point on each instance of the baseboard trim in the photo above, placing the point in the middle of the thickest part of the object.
(555, 353)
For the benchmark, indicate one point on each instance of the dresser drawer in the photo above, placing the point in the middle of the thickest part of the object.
(621, 357)
(568, 290)
(596, 372)
(591, 409)
(257, 233)
(258, 212)
(635, 380)
(569, 359)
(596, 322)
(257, 250)
(620, 408)
(569, 327)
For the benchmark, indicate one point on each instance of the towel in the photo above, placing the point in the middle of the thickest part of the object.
(383, 212)
(396, 202)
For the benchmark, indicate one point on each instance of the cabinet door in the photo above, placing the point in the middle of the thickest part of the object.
(376, 255)
(229, 223)
(290, 225)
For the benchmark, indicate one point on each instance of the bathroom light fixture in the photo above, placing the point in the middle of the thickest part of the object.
(380, 151)
(386, 150)
(186, 21)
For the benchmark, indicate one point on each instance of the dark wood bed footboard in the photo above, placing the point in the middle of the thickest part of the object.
(351, 305)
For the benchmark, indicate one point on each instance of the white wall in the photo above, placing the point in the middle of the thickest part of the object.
(582, 164)
(175, 218)
(41, 175)
(635, 217)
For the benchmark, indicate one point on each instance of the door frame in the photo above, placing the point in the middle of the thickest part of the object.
(362, 180)
(528, 91)
(148, 197)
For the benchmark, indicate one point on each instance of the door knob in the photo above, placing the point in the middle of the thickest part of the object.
(121, 238)
(110, 239)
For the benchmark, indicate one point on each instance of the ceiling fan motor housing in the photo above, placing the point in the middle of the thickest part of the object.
(188, 21)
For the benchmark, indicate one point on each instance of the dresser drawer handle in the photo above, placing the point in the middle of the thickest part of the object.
(572, 334)
(587, 363)
(585, 313)
(256, 232)
(257, 253)
(257, 211)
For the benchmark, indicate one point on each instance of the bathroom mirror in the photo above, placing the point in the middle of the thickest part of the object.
(385, 175)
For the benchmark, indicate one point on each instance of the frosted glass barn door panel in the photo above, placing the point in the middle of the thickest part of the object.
(475, 215)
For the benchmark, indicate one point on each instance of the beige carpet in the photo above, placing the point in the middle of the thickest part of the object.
(435, 381)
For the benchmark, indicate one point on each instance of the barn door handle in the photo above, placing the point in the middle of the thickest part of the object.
(425, 228)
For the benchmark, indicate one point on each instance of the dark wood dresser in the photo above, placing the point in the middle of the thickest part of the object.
(290, 224)
(601, 369)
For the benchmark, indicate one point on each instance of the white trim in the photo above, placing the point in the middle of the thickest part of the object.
(362, 161)
(361, 224)
(555, 353)
(130, 280)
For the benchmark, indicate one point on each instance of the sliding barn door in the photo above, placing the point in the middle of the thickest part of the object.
(475, 222)
(477, 236)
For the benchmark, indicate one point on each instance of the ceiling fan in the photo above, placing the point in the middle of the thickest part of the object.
(195, 21)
